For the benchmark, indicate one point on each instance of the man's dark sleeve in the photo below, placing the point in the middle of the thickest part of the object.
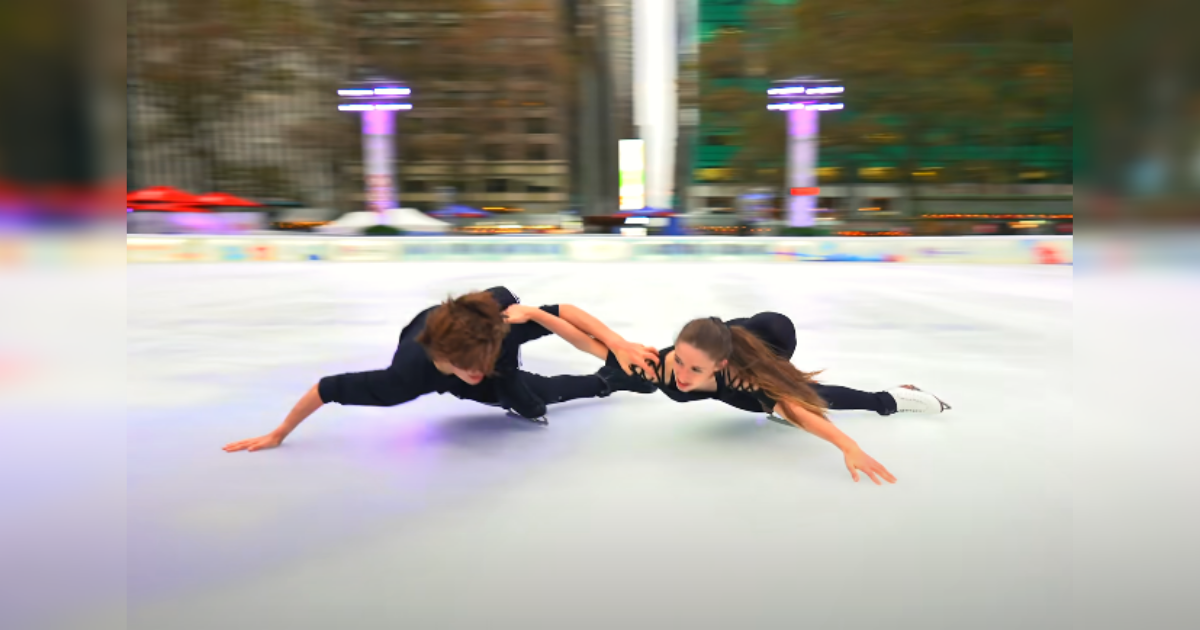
(407, 378)
(520, 333)
(504, 297)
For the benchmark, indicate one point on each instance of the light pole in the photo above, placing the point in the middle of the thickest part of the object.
(803, 98)
(378, 101)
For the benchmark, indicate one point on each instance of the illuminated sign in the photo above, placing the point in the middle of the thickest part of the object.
(631, 155)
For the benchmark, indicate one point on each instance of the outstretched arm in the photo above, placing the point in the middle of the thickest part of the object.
(856, 459)
(519, 314)
(403, 381)
(627, 353)
(308, 403)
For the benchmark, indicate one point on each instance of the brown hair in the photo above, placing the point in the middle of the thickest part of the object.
(467, 331)
(753, 362)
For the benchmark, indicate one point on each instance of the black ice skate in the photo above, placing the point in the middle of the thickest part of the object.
(517, 398)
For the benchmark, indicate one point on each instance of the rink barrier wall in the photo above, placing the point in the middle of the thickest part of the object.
(996, 250)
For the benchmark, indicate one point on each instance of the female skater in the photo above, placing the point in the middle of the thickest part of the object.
(746, 363)
(469, 346)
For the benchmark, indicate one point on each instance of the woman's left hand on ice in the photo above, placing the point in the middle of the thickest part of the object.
(519, 313)
(857, 460)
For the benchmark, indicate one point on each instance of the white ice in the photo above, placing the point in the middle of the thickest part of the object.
(626, 512)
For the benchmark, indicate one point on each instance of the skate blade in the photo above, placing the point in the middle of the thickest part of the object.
(777, 420)
(543, 421)
(945, 405)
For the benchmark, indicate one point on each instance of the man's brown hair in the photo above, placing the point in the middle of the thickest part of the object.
(467, 331)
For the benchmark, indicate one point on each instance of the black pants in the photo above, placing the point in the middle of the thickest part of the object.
(550, 389)
(844, 398)
(778, 332)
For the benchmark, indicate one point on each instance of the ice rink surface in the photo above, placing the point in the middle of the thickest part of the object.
(626, 512)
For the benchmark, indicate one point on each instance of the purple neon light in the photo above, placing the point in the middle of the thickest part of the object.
(789, 91)
(383, 91)
(381, 107)
(378, 123)
(812, 107)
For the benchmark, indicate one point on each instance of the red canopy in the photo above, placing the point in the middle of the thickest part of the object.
(160, 194)
(167, 199)
(161, 199)
(224, 200)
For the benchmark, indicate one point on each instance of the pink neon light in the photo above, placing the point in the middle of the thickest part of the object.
(788, 91)
(814, 107)
(381, 107)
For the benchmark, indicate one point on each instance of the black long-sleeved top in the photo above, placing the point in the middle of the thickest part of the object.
(413, 374)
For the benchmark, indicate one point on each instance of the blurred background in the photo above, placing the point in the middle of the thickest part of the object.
(626, 118)
(533, 116)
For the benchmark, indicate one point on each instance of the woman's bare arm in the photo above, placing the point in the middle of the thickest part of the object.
(856, 459)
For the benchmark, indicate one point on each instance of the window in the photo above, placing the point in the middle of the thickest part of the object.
(498, 125)
(537, 153)
(534, 98)
(718, 141)
(494, 152)
(720, 204)
(372, 18)
(876, 205)
(402, 18)
(410, 125)
(497, 185)
(877, 173)
(416, 186)
(537, 125)
(537, 188)
(827, 174)
(535, 73)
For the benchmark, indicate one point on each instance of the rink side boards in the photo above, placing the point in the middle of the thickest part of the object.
(997, 250)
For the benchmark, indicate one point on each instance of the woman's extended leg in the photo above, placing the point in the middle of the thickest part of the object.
(845, 398)
(905, 398)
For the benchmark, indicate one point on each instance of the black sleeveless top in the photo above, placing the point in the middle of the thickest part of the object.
(776, 330)
(729, 391)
